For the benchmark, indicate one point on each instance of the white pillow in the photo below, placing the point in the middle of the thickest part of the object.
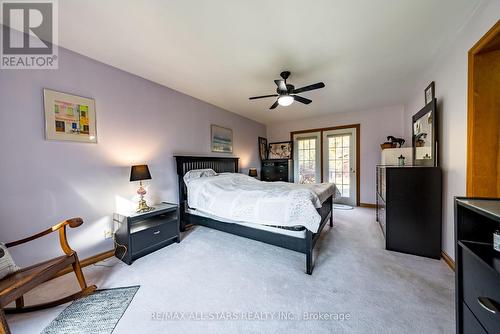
(197, 173)
(7, 265)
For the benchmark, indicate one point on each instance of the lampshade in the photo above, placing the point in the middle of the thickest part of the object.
(285, 100)
(252, 172)
(139, 173)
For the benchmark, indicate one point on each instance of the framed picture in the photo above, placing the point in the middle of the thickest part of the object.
(222, 139)
(429, 93)
(263, 148)
(69, 117)
(281, 150)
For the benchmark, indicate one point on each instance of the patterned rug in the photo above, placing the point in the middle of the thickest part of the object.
(98, 313)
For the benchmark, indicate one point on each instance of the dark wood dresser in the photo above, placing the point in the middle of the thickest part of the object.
(477, 266)
(409, 209)
(277, 170)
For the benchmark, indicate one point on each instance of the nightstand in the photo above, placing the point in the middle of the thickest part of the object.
(144, 233)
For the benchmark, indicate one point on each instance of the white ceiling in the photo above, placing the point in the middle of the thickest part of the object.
(368, 52)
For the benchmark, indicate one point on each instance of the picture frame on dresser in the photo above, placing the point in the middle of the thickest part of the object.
(280, 150)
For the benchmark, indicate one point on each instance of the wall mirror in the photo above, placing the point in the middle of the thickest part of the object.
(425, 136)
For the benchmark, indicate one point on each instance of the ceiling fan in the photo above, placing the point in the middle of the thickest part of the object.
(286, 93)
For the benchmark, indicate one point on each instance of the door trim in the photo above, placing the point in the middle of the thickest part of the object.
(358, 146)
(483, 45)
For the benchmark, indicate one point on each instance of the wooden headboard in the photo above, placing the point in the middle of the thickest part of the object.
(187, 163)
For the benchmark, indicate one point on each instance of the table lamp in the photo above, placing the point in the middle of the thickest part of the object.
(139, 173)
(252, 172)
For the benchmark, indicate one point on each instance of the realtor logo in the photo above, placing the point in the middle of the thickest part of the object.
(29, 34)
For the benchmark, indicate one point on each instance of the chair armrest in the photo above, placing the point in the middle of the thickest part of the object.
(61, 227)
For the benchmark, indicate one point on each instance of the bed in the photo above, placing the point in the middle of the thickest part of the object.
(293, 237)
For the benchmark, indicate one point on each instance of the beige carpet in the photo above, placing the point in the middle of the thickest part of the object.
(211, 273)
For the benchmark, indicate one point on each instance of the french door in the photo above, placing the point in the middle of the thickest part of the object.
(339, 162)
(328, 155)
(307, 157)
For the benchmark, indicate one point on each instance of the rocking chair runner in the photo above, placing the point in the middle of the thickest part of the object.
(15, 285)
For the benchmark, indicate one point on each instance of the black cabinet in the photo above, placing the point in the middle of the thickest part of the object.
(409, 209)
(477, 266)
(277, 170)
(139, 234)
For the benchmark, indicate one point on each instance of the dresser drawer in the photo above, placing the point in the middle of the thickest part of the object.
(469, 323)
(153, 236)
(479, 283)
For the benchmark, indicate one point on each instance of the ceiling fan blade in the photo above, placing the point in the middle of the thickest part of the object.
(262, 96)
(301, 99)
(275, 104)
(281, 85)
(308, 88)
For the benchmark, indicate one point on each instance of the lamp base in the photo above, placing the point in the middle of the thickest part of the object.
(143, 207)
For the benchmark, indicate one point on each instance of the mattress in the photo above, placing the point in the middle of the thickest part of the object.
(243, 199)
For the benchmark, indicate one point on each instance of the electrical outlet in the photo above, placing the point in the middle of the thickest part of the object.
(108, 234)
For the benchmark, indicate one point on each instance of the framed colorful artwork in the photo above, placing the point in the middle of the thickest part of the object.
(69, 117)
(222, 139)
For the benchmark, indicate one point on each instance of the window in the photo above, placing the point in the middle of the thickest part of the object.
(60, 126)
(307, 160)
(339, 162)
(307, 157)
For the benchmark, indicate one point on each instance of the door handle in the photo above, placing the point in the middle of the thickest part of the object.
(488, 304)
(157, 232)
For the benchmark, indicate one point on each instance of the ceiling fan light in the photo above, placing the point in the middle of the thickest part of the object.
(285, 100)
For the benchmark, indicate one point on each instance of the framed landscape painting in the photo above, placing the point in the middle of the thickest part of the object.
(222, 139)
(69, 117)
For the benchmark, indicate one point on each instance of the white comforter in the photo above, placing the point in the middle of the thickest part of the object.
(242, 198)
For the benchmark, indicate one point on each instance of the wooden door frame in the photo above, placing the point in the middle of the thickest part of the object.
(480, 46)
(358, 149)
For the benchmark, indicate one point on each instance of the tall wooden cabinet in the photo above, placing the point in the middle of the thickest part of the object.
(409, 209)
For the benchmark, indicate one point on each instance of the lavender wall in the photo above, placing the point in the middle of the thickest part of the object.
(450, 75)
(138, 121)
(376, 125)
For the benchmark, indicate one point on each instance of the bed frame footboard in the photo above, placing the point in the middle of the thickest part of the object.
(326, 212)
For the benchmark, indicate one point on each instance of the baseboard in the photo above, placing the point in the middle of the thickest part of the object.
(368, 205)
(448, 260)
(89, 261)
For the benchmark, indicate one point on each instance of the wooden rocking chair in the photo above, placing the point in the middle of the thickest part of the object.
(14, 286)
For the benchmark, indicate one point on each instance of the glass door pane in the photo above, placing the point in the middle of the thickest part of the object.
(307, 165)
(307, 160)
(340, 162)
